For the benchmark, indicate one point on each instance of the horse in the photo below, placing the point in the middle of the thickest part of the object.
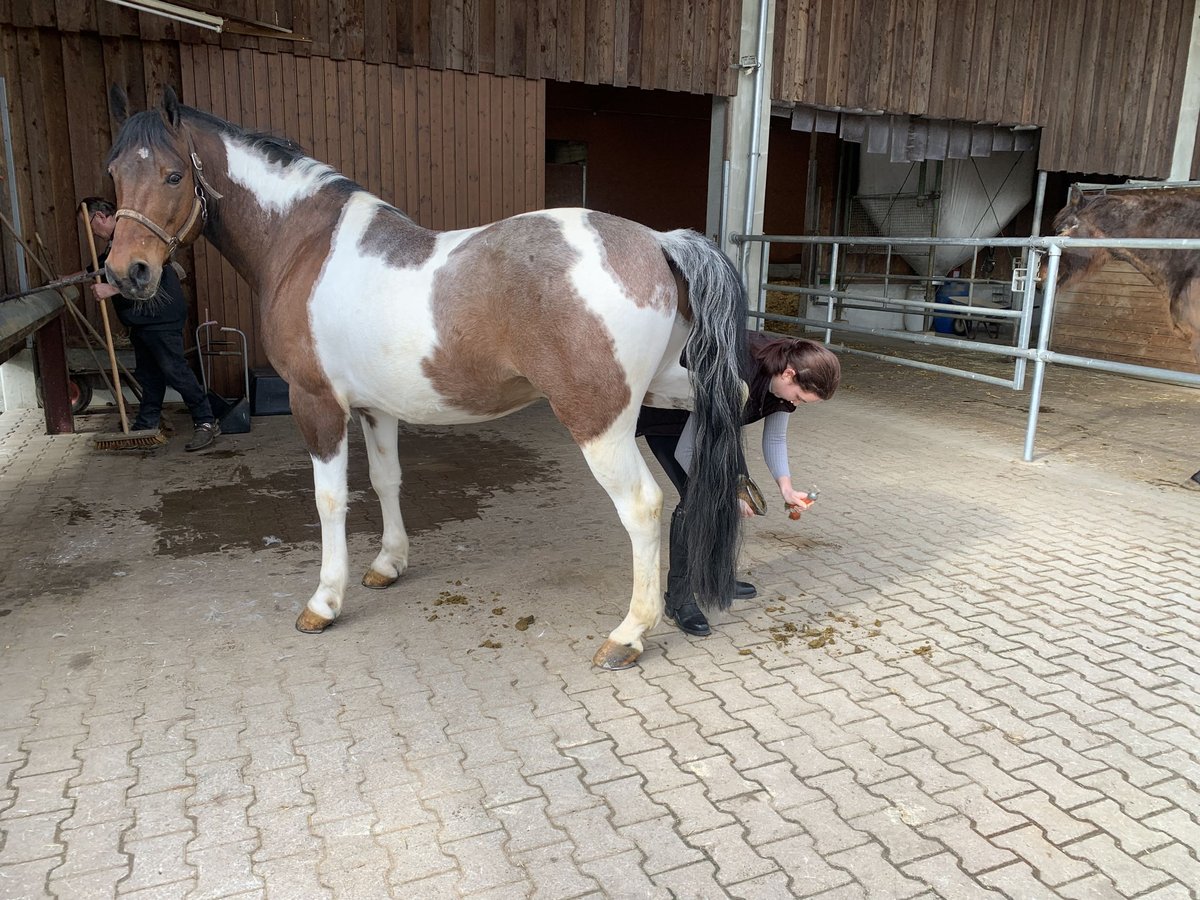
(362, 311)
(1159, 212)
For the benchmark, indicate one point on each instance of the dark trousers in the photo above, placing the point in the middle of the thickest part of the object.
(161, 364)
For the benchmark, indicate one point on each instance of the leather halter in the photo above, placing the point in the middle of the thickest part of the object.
(189, 232)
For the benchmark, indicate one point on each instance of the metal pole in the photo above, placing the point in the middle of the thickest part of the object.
(833, 267)
(756, 129)
(1029, 295)
(723, 227)
(1039, 366)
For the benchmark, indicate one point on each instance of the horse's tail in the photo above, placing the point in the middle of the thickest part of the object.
(713, 355)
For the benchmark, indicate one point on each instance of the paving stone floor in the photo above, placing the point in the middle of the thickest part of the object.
(965, 675)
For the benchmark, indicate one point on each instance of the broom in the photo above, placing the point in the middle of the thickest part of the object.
(124, 439)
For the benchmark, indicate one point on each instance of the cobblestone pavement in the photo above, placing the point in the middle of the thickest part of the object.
(965, 675)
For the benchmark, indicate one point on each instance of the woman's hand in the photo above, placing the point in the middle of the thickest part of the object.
(102, 290)
(795, 498)
(744, 509)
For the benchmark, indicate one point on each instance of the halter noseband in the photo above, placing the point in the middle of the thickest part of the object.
(199, 212)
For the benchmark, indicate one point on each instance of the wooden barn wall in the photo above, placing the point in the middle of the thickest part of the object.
(674, 45)
(1118, 314)
(1102, 78)
(451, 149)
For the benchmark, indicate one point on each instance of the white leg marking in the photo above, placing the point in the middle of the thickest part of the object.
(384, 458)
(329, 479)
(618, 466)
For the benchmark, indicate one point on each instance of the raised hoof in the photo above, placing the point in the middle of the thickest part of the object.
(377, 582)
(614, 656)
(310, 623)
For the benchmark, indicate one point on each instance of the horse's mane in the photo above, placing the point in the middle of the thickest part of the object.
(148, 128)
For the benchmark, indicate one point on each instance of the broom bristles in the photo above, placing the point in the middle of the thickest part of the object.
(133, 441)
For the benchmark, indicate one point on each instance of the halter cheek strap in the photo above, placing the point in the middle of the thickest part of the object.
(199, 214)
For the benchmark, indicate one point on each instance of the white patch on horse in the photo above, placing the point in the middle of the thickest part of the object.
(376, 364)
(275, 186)
(143, 153)
(645, 351)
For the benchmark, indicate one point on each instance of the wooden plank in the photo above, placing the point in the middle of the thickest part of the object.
(355, 24)
(439, 28)
(993, 104)
(1076, 127)
(508, 126)
(341, 132)
(535, 145)
(315, 102)
(373, 127)
(532, 57)
(634, 40)
(471, 114)
(422, 112)
(338, 14)
(432, 112)
(485, 52)
(449, 182)
(518, 17)
(386, 138)
(975, 99)
(1024, 54)
(357, 126)
(605, 38)
(462, 170)
(470, 36)
(373, 33)
(497, 149)
(483, 157)
(72, 15)
(412, 159)
(455, 15)
(422, 31)
(522, 127)
(289, 102)
(503, 47)
(547, 33)
(1137, 25)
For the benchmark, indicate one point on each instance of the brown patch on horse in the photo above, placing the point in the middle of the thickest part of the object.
(511, 329)
(287, 283)
(394, 237)
(624, 245)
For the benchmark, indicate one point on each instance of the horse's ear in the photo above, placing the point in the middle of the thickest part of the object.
(118, 103)
(170, 106)
(1074, 197)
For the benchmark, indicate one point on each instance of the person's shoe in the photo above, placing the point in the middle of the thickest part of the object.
(687, 616)
(203, 436)
(744, 591)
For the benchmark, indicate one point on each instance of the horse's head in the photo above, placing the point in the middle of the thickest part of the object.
(1076, 219)
(161, 193)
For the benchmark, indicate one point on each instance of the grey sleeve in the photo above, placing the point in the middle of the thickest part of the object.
(686, 448)
(774, 444)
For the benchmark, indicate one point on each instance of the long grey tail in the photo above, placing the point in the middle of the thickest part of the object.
(714, 355)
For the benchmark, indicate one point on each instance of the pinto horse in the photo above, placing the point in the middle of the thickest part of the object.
(1157, 212)
(364, 311)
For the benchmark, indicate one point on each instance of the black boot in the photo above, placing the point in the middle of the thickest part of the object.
(681, 605)
(744, 590)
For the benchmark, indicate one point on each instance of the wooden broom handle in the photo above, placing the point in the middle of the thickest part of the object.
(108, 339)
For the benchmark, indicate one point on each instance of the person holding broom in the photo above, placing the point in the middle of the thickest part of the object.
(156, 333)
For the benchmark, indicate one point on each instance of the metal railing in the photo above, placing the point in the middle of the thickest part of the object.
(835, 295)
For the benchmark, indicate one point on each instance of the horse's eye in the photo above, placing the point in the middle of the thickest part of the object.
(174, 178)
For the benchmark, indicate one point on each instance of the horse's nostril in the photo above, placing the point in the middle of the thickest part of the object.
(139, 274)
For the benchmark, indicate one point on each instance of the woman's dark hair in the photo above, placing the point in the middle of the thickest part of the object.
(99, 205)
(817, 367)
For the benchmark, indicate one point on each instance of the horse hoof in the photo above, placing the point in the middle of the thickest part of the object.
(310, 623)
(377, 582)
(614, 656)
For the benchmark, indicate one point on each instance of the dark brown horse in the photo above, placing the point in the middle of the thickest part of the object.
(363, 311)
(1152, 212)
(1160, 213)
